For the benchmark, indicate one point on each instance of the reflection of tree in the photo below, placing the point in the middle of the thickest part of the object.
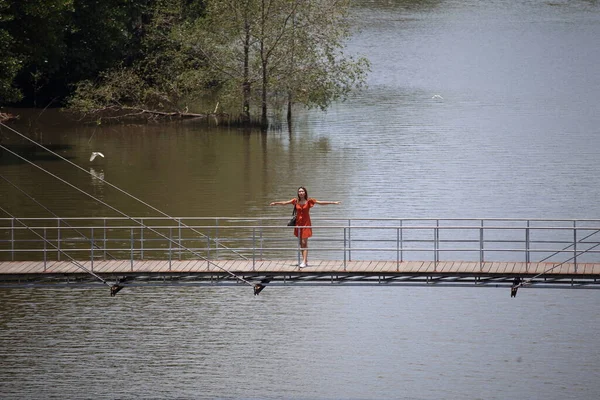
(98, 183)
(409, 5)
(97, 177)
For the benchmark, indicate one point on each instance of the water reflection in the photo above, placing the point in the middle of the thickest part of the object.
(514, 134)
(398, 5)
(97, 182)
(31, 153)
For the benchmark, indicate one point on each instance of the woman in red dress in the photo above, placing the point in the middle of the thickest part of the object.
(303, 228)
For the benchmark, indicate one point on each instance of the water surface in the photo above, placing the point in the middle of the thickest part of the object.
(300, 343)
(514, 134)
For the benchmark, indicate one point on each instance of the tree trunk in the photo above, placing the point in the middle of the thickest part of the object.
(289, 109)
(246, 85)
(264, 121)
(263, 57)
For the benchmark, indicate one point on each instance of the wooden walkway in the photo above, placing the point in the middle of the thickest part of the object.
(286, 271)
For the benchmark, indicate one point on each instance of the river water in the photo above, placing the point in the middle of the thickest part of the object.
(474, 109)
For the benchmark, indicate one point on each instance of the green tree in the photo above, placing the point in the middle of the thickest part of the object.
(100, 35)
(10, 63)
(37, 29)
(157, 80)
(245, 53)
(259, 49)
(313, 69)
(48, 45)
(223, 43)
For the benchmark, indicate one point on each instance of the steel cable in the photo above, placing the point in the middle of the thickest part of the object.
(77, 263)
(122, 191)
(131, 218)
(54, 214)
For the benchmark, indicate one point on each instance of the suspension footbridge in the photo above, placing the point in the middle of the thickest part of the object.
(225, 251)
(126, 250)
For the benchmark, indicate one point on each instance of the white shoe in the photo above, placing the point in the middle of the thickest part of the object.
(302, 265)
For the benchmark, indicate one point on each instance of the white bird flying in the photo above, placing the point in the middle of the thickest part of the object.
(437, 97)
(95, 154)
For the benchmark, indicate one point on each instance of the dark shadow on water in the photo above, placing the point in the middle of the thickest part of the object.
(32, 153)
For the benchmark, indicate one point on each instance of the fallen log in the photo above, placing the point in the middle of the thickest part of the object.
(6, 117)
(121, 113)
(179, 114)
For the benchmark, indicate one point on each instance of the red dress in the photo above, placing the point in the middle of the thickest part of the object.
(303, 217)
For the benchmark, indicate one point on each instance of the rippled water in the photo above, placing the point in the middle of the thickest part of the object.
(297, 343)
(515, 134)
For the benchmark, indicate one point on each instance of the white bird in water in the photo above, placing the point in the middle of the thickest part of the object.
(95, 154)
(437, 97)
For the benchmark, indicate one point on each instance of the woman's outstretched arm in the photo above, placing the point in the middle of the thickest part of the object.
(281, 203)
(324, 203)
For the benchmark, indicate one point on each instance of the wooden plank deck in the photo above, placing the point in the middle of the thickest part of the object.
(278, 267)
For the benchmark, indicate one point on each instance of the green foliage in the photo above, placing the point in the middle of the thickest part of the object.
(248, 55)
(10, 63)
(163, 63)
(162, 76)
(101, 34)
(261, 50)
(314, 69)
(37, 29)
(60, 42)
(120, 88)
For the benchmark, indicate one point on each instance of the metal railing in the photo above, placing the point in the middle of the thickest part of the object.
(220, 238)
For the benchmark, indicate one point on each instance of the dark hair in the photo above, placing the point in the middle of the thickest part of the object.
(305, 193)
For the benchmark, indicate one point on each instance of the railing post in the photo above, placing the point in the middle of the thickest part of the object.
(349, 240)
(104, 239)
(216, 239)
(45, 239)
(397, 249)
(575, 244)
(179, 235)
(345, 248)
(92, 248)
(436, 244)
(132, 246)
(481, 256)
(253, 248)
(299, 251)
(58, 240)
(208, 252)
(262, 243)
(12, 239)
(527, 245)
(401, 240)
(141, 238)
(170, 246)
(207, 247)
